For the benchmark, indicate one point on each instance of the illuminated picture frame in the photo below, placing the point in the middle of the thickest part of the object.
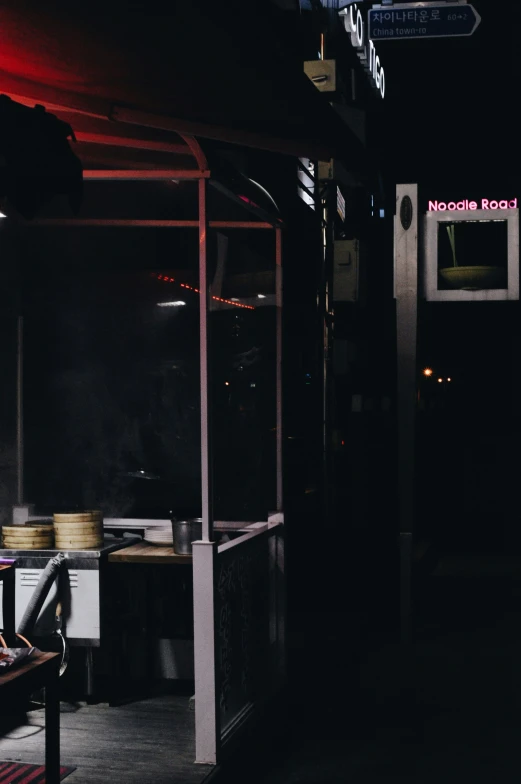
(431, 223)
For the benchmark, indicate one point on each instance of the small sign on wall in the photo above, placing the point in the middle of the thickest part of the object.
(307, 187)
(346, 271)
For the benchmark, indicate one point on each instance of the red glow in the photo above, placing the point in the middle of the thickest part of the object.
(246, 200)
(166, 279)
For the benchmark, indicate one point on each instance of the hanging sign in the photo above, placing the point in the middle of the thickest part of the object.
(355, 26)
(307, 181)
(422, 20)
(340, 204)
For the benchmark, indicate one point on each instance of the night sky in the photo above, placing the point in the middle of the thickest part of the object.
(450, 119)
(449, 122)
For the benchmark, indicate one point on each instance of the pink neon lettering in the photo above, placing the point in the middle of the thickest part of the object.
(465, 204)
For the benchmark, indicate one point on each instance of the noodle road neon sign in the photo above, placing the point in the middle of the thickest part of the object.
(465, 204)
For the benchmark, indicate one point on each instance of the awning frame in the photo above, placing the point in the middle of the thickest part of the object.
(208, 734)
(268, 222)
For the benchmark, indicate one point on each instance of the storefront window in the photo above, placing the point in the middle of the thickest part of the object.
(111, 396)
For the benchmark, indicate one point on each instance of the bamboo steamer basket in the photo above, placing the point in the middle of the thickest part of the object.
(78, 530)
(29, 544)
(77, 517)
(78, 542)
(73, 529)
(21, 537)
(29, 529)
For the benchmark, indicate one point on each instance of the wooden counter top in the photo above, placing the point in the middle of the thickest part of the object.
(148, 554)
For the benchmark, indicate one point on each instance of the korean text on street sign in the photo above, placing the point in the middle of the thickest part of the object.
(422, 20)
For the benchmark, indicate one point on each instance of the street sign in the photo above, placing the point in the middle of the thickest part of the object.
(422, 20)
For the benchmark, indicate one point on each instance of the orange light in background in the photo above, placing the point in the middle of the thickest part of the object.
(440, 380)
(449, 379)
(226, 383)
(427, 372)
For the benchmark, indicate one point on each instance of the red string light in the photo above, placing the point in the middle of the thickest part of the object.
(166, 279)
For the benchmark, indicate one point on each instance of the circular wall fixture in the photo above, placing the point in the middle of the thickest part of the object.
(406, 212)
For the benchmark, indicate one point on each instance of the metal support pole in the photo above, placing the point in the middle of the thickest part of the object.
(205, 379)
(52, 728)
(19, 413)
(324, 301)
(89, 672)
(278, 299)
(206, 671)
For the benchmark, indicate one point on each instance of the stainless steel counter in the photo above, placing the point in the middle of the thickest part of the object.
(79, 588)
(109, 546)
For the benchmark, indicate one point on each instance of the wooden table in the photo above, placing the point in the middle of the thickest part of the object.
(41, 670)
(144, 553)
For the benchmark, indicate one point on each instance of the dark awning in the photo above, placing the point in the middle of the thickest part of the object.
(212, 70)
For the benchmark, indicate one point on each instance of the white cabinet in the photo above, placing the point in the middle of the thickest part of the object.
(81, 605)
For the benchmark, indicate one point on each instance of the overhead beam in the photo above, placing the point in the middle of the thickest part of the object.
(127, 175)
(146, 223)
(133, 143)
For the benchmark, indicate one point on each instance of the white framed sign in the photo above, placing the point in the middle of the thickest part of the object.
(471, 254)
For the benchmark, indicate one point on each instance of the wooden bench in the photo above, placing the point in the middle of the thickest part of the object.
(41, 670)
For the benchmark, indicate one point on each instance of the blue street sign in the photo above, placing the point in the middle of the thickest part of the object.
(422, 20)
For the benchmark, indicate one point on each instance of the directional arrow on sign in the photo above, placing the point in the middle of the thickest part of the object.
(422, 20)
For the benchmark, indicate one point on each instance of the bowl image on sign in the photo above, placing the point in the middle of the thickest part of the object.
(474, 278)
(472, 255)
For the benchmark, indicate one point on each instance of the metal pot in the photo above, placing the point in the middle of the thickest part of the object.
(185, 532)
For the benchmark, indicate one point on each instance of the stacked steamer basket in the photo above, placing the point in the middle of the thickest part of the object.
(28, 537)
(78, 530)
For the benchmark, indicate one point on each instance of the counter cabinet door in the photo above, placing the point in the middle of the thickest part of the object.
(81, 602)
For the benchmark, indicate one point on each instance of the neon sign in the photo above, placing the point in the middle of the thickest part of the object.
(354, 25)
(465, 204)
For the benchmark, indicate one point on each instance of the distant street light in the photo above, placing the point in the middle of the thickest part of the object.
(427, 372)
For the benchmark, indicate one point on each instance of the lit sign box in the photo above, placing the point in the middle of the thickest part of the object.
(307, 181)
(471, 252)
(354, 25)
